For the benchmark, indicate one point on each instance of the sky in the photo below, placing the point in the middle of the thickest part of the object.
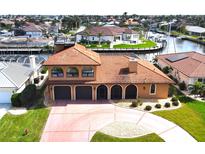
(102, 7)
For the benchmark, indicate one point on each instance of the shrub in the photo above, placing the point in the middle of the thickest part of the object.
(15, 100)
(172, 91)
(174, 99)
(158, 106)
(148, 108)
(136, 103)
(28, 94)
(167, 105)
(42, 77)
(176, 103)
(36, 80)
(182, 86)
(44, 70)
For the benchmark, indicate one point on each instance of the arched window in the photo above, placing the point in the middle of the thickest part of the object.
(87, 71)
(153, 89)
(72, 72)
(57, 72)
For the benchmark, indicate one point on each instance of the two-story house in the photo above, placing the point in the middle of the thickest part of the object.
(77, 73)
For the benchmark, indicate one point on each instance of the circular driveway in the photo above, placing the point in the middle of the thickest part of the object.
(79, 122)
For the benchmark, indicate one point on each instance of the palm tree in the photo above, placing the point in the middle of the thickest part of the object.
(99, 38)
(87, 34)
(197, 88)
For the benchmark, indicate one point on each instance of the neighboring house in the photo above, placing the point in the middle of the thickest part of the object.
(131, 22)
(195, 30)
(77, 73)
(14, 77)
(32, 31)
(108, 33)
(188, 67)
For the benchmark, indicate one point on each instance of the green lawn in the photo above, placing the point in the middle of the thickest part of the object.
(101, 137)
(102, 45)
(191, 117)
(146, 44)
(12, 127)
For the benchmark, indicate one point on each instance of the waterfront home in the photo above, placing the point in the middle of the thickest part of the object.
(195, 30)
(15, 76)
(78, 73)
(108, 34)
(188, 67)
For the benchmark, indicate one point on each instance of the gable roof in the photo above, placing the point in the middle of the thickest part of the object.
(192, 66)
(75, 55)
(107, 31)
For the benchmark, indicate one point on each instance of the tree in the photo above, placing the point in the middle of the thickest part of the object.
(87, 34)
(99, 37)
(198, 88)
(124, 16)
(167, 69)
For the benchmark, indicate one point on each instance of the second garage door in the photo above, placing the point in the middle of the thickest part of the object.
(84, 92)
(62, 93)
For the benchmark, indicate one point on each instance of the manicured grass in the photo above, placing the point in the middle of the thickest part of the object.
(191, 117)
(101, 137)
(12, 126)
(145, 44)
(102, 45)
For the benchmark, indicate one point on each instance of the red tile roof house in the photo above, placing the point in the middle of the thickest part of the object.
(109, 33)
(77, 73)
(188, 67)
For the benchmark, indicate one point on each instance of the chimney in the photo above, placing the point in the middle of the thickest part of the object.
(132, 65)
(32, 59)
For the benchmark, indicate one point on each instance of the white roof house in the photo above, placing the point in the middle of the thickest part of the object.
(14, 77)
(195, 29)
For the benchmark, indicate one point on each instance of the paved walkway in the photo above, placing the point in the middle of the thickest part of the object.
(79, 122)
(3, 109)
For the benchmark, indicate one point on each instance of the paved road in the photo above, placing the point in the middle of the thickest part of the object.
(79, 122)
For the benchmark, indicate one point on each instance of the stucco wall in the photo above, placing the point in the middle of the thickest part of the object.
(143, 90)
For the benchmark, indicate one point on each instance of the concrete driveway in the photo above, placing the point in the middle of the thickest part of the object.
(3, 109)
(79, 122)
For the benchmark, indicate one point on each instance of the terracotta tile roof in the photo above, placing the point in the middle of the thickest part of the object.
(114, 69)
(192, 66)
(107, 31)
(75, 55)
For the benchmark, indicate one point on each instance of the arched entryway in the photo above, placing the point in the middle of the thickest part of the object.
(131, 92)
(116, 92)
(102, 92)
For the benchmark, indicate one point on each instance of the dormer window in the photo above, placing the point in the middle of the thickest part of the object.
(72, 72)
(87, 71)
(57, 72)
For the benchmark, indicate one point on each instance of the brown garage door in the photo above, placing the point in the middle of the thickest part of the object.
(84, 93)
(62, 93)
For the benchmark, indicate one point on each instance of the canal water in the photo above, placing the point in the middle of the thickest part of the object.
(175, 45)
